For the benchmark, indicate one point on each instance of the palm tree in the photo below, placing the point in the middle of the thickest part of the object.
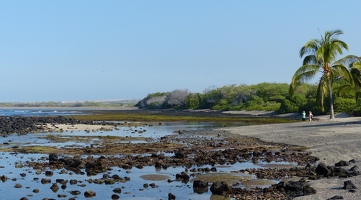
(354, 86)
(319, 55)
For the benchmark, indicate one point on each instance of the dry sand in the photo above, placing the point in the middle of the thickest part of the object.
(329, 140)
(79, 127)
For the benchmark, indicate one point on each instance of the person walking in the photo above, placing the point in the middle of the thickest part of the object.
(303, 116)
(310, 115)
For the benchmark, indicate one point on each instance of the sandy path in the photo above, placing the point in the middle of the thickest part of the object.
(330, 140)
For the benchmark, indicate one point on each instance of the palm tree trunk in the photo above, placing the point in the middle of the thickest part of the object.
(332, 114)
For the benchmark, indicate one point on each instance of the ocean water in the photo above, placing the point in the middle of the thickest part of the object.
(39, 112)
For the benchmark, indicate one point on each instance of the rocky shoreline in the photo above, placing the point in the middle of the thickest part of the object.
(332, 141)
(23, 125)
(228, 150)
(224, 150)
(210, 147)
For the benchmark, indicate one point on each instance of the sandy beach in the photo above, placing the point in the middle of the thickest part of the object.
(329, 140)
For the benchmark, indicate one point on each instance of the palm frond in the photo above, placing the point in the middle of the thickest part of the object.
(342, 71)
(355, 72)
(356, 66)
(310, 47)
(306, 68)
(303, 74)
(310, 59)
(343, 89)
(348, 60)
(336, 32)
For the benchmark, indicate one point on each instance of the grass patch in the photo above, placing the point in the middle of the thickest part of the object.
(158, 116)
(33, 149)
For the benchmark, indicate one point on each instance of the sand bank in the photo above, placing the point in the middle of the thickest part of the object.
(329, 140)
(79, 127)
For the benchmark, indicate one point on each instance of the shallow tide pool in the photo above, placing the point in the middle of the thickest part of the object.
(10, 166)
(132, 189)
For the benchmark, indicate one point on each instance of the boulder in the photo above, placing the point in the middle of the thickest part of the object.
(45, 180)
(354, 171)
(335, 197)
(54, 187)
(184, 177)
(89, 194)
(343, 163)
(296, 188)
(337, 171)
(48, 173)
(308, 190)
(348, 185)
(322, 169)
(53, 157)
(220, 188)
(75, 192)
(200, 187)
(117, 190)
(179, 154)
(199, 183)
(171, 196)
(200, 190)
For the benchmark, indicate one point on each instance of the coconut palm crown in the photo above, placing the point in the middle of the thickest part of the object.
(319, 55)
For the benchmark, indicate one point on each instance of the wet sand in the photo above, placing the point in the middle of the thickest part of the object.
(329, 140)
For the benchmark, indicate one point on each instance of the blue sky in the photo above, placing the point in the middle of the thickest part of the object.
(101, 50)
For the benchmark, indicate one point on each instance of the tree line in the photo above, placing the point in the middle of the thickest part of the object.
(262, 96)
(338, 89)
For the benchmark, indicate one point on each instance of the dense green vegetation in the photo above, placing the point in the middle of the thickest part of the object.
(262, 96)
(338, 89)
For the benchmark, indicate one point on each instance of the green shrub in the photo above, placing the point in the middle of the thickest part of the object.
(344, 104)
(193, 101)
(292, 104)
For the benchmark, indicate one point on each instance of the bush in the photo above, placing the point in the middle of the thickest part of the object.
(288, 107)
(292, 104)
(153, 100)
(344, 104)
(192, 101)
(176, 98)
(357, 110)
